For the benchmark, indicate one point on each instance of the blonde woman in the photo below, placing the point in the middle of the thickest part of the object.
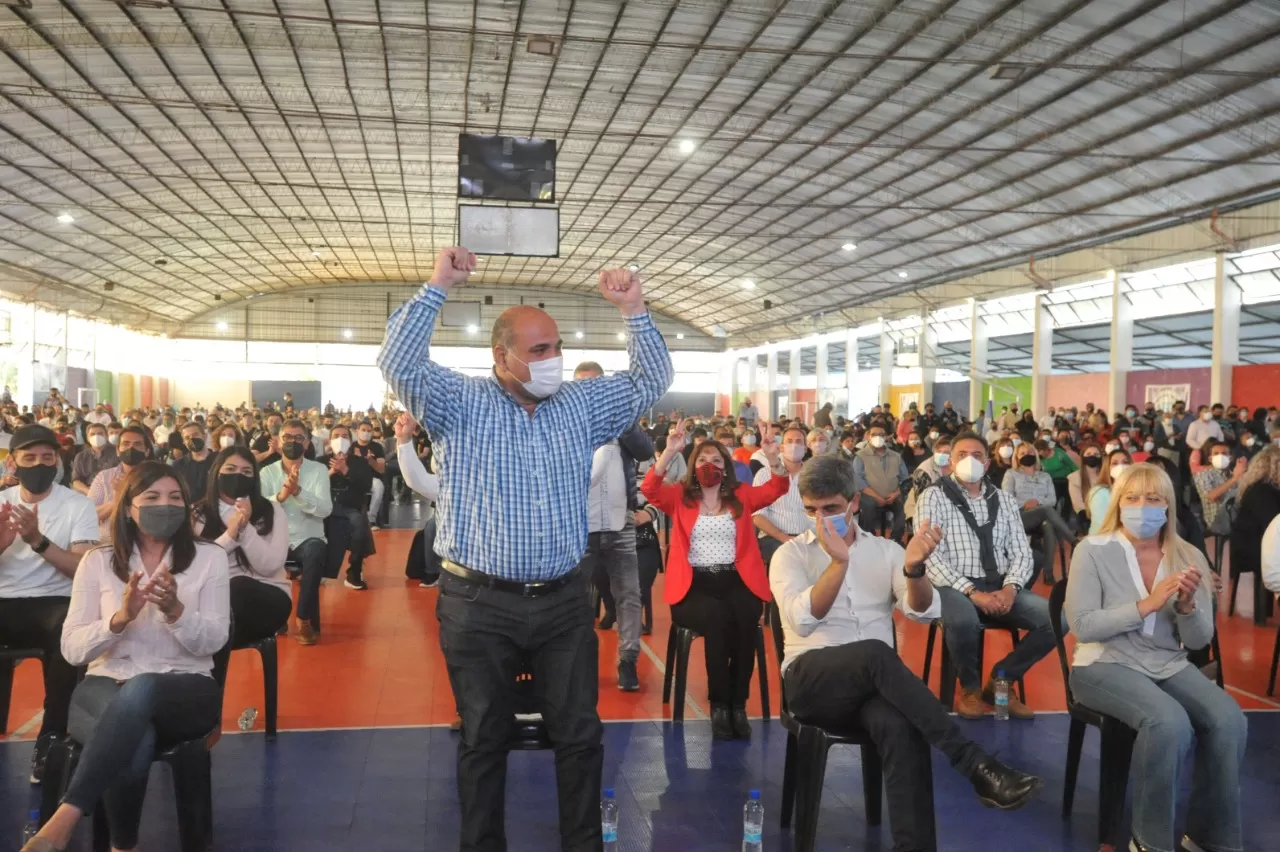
(1137, 598)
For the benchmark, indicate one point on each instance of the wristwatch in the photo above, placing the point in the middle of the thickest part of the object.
(42, 546)
(969, 592)
(910, 575)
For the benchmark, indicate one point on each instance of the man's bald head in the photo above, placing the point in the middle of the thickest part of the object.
(511, 320)
(521, 336)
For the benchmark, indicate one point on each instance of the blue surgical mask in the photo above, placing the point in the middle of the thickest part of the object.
(1143, 521)
(839, 522)
(942, 459)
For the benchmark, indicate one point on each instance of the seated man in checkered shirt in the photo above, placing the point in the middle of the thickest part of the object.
(980, 570)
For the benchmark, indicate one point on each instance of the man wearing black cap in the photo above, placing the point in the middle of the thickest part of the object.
(44, 528)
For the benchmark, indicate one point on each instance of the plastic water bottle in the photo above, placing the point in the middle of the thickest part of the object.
(1001, 688)
(753, 824)
(247, 718)
(609, 821)
(32, 828)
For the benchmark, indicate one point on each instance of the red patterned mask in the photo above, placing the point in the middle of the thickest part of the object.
(709, 476)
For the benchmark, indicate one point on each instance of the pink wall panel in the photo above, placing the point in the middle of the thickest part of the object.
(1198, 378)
(1078, 389)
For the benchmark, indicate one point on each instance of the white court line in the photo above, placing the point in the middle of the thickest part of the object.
(693, 705)
(25, 727)
(1263, 699)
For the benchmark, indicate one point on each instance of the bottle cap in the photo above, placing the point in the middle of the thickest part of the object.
(608, 793)
(34, 814)
(755, 794)
(1000, 673)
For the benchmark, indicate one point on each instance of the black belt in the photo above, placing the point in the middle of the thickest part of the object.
(526, 590)
(721, 568)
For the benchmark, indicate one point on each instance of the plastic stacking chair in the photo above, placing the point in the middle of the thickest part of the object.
(1116, 746)
(679, 641)
(9, 659)
(949, 676)
(1275, 662)
(266, 649)
(192, 767)
(805, 768)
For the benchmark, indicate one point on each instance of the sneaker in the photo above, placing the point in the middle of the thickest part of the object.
(374, 527)
(40, 759)
(628, 680)
(355, 580)
(307, 635)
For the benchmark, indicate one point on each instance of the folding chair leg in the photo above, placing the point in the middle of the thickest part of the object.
(873, 784)
(789, 781)
(671, 665)
(682, 677)
(1075, 745)
(6, 691)
(270, 683)
(762, 663)
(1117, 750)
(812, 768)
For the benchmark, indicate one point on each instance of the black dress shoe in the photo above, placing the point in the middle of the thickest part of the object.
(741, 727)
(607, 621)
(721, 723)
(998, 786)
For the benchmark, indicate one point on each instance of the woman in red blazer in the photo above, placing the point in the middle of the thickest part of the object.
(715, 576)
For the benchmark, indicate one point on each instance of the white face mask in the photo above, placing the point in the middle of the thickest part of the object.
(1207, 416)
(1006, 452)
(227, 441)
(1222, 461)
(545, 377)
(969, 469)
(1016, 441)
(1148, 446)
(933, 436)
(113, 439)
(340, 445)
(749, 440)
(97, 441)
(793, 452)
(941, 459)
(364, 435)
(1112, 447)
(877, 441)
(1116, 470)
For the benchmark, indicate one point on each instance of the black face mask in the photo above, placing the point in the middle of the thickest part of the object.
(196, 444)
(274, 429)
(1027, 461)
(292, 450)
(235, 485)
(132, 456)
(161, 522)
(38, 478)
(1094, 462)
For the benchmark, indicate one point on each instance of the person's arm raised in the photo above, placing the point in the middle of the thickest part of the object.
(617, 401)
(433, 394)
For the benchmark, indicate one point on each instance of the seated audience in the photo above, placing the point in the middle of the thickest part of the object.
(369, 449)
(227, 435)
(1258, 506)
(147, 615)
(914, 453)
(749, 439)
(1081, 482)
(1137, 600)
(1001, 460)
(836, 588)
(981, 569)
(350, 481)
(301, 487)
(780, 520)
(193, 468)
(255, 534)
(97, 455)
(133, 449)
(715, 576)
(44, 530)
(1217, 483)
(882, 478)
(1033, 491)
(266, 446)
(1189, 529)
(1113, 463)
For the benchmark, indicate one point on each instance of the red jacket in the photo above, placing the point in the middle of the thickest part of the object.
(671, 500)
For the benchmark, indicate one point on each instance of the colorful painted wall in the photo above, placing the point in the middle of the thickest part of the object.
(1078, 389)
(1198, 378)
(1009, 389)
(1256, 385)
(910, 392)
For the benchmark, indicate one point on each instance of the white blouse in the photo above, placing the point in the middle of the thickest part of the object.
(148, 644)
(266, 556)
(714, 540)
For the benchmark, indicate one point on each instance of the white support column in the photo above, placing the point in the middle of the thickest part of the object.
(820, 398)
(977, 359)
(928, 359)
(1041, 354)
(728, 384)
(886, 365)
(751, 378)
(1121, 344)
(850, 370)
(793, 377)
(1226, 333)
(772, 384)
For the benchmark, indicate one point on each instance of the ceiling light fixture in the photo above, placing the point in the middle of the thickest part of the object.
(541, 46)
(472, 329)
(849, 247)
(680, 336)
(578, 334)
(315, 252)
(635, 267)
(687, 146)
(622, 335)
(902, 274)
(346, 332)
(66, 219)
(1006, 71)
(748, 284)
(222, 325)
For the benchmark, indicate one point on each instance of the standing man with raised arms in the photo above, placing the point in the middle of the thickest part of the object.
(515, 451)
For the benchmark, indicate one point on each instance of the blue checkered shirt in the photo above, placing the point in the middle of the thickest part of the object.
(513, 487)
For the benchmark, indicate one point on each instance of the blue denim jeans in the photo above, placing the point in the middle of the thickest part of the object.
(1165, 714)
(962, 630)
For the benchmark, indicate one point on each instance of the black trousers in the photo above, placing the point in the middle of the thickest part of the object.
(350, 533)
(258, 610)
(37, 623)
(487, 636)
(310, 555)
(727, 614)
(866, 683)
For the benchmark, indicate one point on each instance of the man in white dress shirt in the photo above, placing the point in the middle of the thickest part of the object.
(836, 593)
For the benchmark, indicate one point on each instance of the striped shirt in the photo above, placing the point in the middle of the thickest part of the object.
(957, 561)
(786, 513)
(513, 487)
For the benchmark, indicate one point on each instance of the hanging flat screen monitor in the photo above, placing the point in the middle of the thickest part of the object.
(506, 168)
(513, 231)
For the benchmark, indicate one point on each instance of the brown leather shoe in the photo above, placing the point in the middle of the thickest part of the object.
(1017, 710)
(970, 705)
(307, 634)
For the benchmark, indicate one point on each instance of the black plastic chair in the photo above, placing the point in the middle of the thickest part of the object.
(805, 768)
(948, 676)
(190, 762)
(679, 640)
(9, 659)
(266, 649)
(1116, 746)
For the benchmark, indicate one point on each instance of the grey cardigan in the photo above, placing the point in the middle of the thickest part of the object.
(1025, 487)
(1103, 591)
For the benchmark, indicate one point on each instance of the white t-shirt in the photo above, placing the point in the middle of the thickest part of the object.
(67, 517)
(1271, 556)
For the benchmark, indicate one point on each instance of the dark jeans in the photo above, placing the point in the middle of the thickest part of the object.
(1052, 529)
(122, 726)
(310, 555)
(611, 563)
(726, 613)
(867, 684)
(356, 540)
(37, 623)
(487, 635)
(258, 610)
(872, 517)
(962, 623)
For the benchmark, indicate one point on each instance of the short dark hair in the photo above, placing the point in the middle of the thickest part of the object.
(296, 424)
(827, 476)
(972, 436)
